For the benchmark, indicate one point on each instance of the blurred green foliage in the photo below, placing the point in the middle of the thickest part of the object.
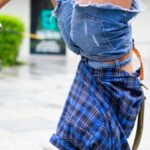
(10, 39)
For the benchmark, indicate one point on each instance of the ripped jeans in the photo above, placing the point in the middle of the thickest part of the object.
(99, 32)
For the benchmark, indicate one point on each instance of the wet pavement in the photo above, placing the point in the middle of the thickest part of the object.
(32, 98)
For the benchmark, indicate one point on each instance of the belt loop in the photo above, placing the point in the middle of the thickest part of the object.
(133, 44)
(84, 59)
(117, 63)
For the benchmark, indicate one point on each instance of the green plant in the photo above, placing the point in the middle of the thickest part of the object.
(10, 39)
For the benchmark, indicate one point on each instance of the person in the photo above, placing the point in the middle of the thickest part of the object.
(3, 2)
(106, 95)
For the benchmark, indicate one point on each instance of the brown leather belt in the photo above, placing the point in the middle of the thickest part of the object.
(138, 56)
(122, 58)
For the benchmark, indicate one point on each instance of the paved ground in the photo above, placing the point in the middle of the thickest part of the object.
(31, 100)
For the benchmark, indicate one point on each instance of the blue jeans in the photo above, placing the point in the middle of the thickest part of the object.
(99, 32)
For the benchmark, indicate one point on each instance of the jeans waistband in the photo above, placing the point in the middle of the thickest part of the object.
(116, 63)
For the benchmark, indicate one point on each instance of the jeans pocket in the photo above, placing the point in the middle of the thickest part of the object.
(88, 33)
(119, 34)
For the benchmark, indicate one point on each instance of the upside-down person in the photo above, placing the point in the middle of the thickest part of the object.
(106, 95)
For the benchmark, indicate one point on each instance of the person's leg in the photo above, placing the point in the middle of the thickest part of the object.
(54, 2)
(122, 3)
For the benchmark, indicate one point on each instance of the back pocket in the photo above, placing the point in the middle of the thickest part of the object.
(88, 33)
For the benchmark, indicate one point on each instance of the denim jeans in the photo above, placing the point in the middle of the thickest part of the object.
(99, 32)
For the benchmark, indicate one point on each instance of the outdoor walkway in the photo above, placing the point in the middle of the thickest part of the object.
(31, 100)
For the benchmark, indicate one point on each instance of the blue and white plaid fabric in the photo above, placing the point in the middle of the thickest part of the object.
(100, 110)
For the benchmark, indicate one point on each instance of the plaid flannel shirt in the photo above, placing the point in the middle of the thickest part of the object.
(100, 110)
